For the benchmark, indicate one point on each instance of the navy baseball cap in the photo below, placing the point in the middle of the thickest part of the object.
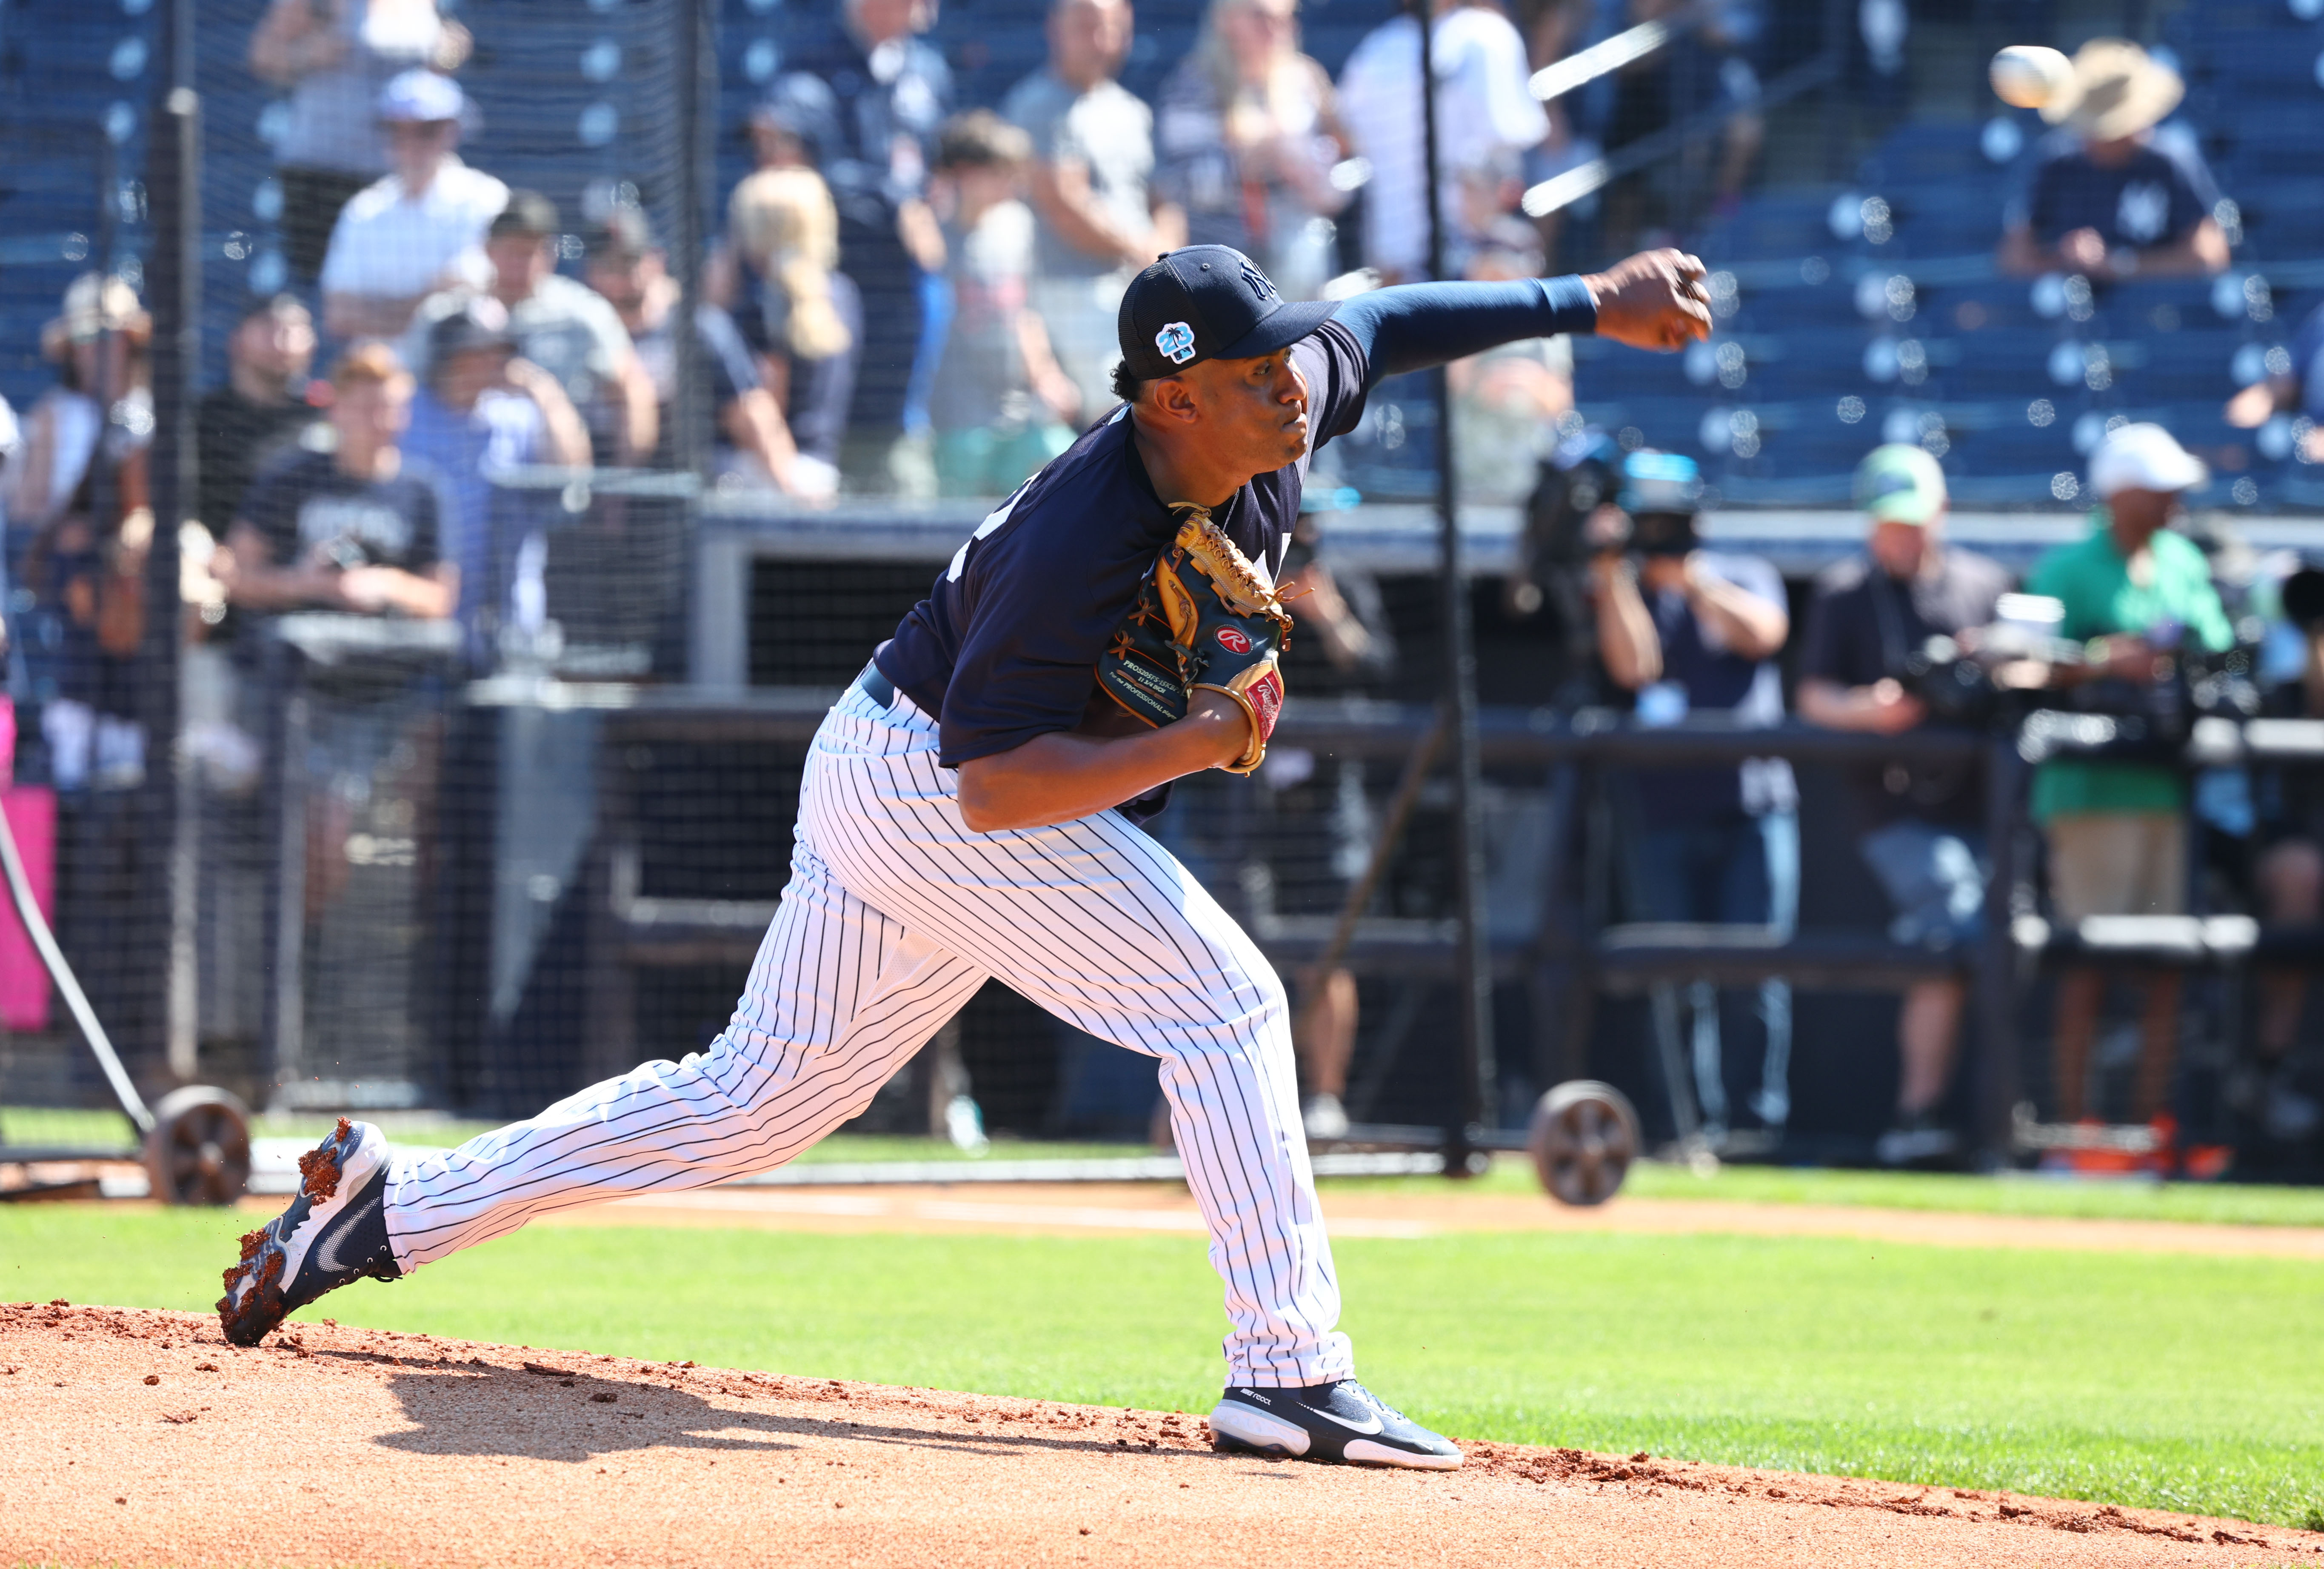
(1208, 302)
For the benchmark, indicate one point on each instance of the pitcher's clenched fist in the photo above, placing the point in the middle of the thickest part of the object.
(1655, 299)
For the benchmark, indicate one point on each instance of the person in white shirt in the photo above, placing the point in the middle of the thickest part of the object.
(1092, 159)
(561, 325)
(419, 229)
(1487, 119)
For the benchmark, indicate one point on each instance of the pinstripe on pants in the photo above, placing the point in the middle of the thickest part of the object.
(894, 916)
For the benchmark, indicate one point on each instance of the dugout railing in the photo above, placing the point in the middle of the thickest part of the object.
(1575, 955)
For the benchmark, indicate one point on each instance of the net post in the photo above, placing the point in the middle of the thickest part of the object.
(693, 162)
(1473, 966)
(159, 1018)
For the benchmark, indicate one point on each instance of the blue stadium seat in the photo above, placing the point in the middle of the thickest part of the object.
(2171, 366)
(1785, 226)
(1995, 305)
(2284, 220)
(1796, 306)
(1922, 152)
(2003, 365)
(2270, 62)
(2157, 305)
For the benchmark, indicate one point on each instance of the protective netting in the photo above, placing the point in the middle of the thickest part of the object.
(457, 766)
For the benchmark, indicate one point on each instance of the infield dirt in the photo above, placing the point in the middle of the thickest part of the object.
(138, 1437)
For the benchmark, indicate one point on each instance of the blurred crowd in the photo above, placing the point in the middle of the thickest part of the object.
(2153, 615)
(911, 299)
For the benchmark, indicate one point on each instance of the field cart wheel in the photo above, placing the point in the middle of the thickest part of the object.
(199, 1152)
(1583, 1138)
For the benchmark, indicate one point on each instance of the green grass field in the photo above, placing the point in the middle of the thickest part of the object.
(2178, 1382)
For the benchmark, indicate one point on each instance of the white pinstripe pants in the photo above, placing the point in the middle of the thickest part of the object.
(894, 916)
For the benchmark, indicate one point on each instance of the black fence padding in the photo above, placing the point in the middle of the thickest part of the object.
(813, 623)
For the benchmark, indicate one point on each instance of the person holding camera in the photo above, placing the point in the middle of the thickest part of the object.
(2135, 592)
(1689, 630)
(1917, 825)
(2289, 798)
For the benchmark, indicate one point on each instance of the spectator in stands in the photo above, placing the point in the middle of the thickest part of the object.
(1919, 827)
(1249, 133)
(262, 410)
(891, 91)
(81, 489)
(480, 411)
(2300, 387)
(1706, 66)
(352, 529)
(633, 273)
(2289, 799)
(1506, 400)
(2134, 589)
(419, 230)
(1092, 164)
(2112, 199)
(1001, 406)
(1688, 631)
(561, 325)
(1487, 121)
(334, 56)
(777, 271)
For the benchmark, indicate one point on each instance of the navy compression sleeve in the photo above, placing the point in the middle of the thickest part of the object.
(1416, 325)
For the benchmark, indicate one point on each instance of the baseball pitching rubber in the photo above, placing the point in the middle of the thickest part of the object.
(2027, 75)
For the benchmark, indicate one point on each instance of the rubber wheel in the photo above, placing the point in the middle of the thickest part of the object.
(1584, 1137)
(199, 1152)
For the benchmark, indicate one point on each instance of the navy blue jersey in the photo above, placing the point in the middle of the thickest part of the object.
(2157, 196)
(1003, 647)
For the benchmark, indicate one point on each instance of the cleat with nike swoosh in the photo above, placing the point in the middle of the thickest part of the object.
(1342, 1422)
(333, 1231)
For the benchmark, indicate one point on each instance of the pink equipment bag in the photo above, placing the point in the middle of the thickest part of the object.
(31, 811)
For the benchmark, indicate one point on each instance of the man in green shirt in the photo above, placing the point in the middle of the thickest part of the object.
(2134, 590)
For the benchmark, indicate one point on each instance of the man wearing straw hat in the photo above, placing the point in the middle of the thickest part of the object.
(2124, 201)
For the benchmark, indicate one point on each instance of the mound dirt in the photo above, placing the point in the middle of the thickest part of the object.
(137, 1437)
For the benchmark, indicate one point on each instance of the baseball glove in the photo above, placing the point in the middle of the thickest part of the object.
(1204, 621)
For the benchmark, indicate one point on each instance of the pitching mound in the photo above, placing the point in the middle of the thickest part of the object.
(138, 1437)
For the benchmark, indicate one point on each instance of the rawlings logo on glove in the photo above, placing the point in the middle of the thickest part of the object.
(1204, 621)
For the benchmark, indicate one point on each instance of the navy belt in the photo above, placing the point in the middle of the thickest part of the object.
(877, 686)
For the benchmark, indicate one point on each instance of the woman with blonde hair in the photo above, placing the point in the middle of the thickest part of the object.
(777, 271)
(1247, 134)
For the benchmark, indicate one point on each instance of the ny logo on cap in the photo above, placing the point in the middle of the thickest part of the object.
(1176, 342)
(1258, 282)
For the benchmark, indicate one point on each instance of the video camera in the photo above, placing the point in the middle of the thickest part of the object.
(1956, 677)
(1593, 498)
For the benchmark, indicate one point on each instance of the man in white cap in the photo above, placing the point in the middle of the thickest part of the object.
(419, 230)
(2121, 200)
(2134, 591)
(1920, 826)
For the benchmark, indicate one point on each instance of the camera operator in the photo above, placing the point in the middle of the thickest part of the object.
(1688, 631)
(1917, 826)
(2135, 592)
(2290, 802)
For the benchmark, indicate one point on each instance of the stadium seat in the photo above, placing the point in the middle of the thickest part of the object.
(1917, 154)
(1794, 306)
(2283, 220)
(2004, 365)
